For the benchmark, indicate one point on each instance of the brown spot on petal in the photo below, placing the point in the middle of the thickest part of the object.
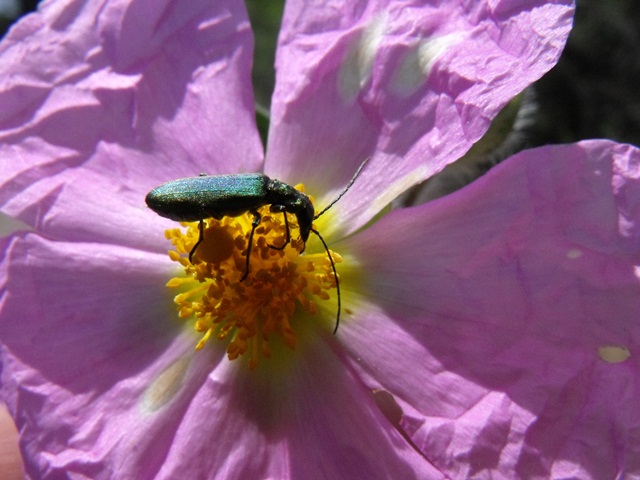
(388, 406)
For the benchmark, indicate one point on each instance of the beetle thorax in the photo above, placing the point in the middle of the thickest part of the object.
(285, 198)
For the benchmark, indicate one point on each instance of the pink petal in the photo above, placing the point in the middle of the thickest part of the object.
(504, 315)
(411, 87)
(62, 302)
(90, 357)
(311, 421)
(86, 331)
(102, 102)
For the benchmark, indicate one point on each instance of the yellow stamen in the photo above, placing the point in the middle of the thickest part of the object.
(248, 314)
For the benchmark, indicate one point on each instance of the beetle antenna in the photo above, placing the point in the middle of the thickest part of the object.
(335, 275)
(353, 179)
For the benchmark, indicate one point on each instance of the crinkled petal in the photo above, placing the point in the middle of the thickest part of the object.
(309, 420)
(505, 318)
(96, 368)
(62, 302)
(411, 87)
(103, 101)
(102, 386)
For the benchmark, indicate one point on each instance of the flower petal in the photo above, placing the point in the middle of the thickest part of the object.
(93, 357)
(311, 421)
(119, 389)
(507, 316)
(63, 301)
(412, 87)
(102, 102)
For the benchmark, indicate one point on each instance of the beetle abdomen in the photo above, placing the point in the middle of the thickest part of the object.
(193, 198)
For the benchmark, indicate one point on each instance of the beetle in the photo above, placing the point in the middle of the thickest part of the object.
(217, 196)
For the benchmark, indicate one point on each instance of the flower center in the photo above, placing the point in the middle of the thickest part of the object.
(248, 313)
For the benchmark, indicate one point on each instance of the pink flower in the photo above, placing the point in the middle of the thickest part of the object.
(493, 327)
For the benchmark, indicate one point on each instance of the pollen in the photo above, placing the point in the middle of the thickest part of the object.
(269, 304)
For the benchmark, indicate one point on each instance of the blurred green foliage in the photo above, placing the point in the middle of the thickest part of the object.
(265, 20)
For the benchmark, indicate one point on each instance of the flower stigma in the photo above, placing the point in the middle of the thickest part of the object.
(248, 314)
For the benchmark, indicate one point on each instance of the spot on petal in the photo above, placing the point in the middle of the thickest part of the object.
(574, 253)
(613, 354)
(358, 63)
(388, 406)
(416, 65)
(165, 386)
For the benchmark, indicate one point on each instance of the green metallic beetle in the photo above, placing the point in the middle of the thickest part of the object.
(196, 198)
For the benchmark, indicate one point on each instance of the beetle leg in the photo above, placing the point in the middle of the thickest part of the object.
(283, 209)
(200, 238)
(254, 225)
(288, 237)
